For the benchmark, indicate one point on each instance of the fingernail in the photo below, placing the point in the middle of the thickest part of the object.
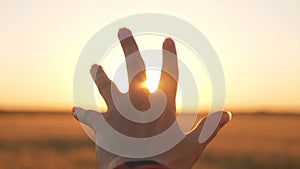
(227, 116)
(124, 33)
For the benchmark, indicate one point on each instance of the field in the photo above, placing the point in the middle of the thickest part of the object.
(56, 141)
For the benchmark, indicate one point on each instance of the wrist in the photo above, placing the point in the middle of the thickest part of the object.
(146, 164)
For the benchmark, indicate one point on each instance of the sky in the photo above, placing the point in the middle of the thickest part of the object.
(257, 42)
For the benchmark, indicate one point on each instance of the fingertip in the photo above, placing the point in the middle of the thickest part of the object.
(73, 109)
(227, 116)
(168, 42)
(169, 45)
(94, 65)
(95, 69)
(74, 113)
(124, 33)
(213, 124)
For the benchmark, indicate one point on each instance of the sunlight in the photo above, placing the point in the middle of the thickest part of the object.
(152, 79)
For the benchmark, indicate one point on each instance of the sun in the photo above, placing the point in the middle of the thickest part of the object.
(152, 79)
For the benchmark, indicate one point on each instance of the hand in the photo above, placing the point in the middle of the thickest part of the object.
(181, 156)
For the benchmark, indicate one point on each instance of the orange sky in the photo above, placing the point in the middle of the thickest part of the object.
(258, 44)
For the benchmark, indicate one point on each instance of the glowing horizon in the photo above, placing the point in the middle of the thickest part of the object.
(257, 43)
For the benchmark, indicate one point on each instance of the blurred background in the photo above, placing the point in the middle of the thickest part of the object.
(258, 44)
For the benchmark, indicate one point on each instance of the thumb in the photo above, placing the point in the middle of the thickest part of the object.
(208, 127)
(90, 118)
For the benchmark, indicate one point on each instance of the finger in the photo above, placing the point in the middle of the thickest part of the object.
(134, 61)
(208, 128)
(87, 117)
(169, 71)
(104, 84)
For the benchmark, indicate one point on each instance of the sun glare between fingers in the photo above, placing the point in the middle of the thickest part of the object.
(152, 81)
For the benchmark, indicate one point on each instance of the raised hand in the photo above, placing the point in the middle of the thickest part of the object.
(141, 114)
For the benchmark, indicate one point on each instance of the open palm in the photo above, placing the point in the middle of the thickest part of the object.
(149, 113)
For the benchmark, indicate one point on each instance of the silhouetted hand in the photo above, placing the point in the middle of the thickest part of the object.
(181, 156)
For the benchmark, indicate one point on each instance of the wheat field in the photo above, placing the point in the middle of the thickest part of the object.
(57, 141)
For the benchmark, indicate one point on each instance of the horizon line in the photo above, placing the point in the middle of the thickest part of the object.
(57, 112)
